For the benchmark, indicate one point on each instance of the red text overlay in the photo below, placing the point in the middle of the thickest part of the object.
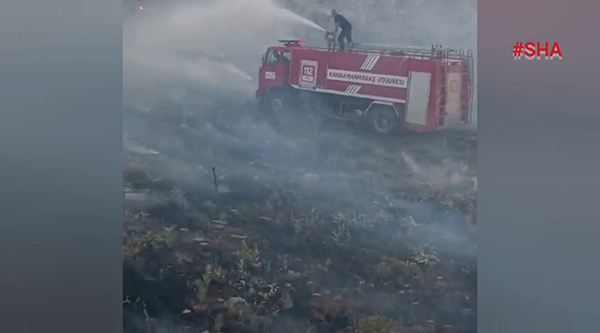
(537, 50)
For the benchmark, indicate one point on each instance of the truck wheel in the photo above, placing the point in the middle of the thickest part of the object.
(382, 120)
(290, 113)
(276, 101)
(278, 105)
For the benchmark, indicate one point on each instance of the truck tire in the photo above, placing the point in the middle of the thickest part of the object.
(382, 120)
(276, 102)
(283, 110)
(289, 113)
(278, 106)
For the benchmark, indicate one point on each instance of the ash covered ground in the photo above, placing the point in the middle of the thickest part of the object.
(325, 229)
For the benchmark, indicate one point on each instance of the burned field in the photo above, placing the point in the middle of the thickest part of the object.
(334, 231)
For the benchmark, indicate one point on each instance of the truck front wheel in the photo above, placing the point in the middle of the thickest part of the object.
(382, 120)
(277, 101)
(289, 113)
(277, 104)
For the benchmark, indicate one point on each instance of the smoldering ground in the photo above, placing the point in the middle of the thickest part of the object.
(189, 72)
(360, 189)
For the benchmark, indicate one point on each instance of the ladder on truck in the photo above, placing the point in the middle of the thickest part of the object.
(466, 91)
(417, 52)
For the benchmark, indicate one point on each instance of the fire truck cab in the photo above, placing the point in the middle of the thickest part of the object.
(412, 88)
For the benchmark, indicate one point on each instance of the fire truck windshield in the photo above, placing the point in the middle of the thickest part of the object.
(275, 57)
(272, 57)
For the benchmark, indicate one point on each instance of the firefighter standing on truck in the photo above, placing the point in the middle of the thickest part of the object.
(342, 23)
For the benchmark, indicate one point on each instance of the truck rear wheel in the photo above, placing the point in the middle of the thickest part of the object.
(382, 120)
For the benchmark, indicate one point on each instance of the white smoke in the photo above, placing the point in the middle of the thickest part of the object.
(449, 174)
(208, 44)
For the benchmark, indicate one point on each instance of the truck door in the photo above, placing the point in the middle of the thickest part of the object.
(453, 102)
(417, 103)
(274, 71)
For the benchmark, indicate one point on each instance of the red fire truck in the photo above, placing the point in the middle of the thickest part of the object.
(413, 88)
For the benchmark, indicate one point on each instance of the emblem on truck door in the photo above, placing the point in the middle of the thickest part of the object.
(308, 73)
